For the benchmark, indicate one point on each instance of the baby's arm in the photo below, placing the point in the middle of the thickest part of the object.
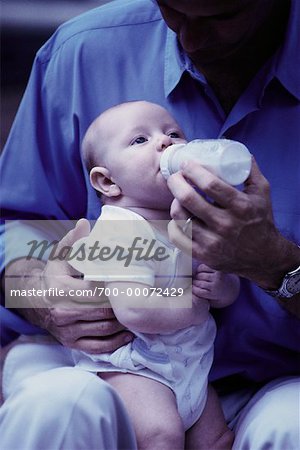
(154, 313)
(220, 289)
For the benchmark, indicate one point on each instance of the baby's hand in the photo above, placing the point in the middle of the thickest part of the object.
(219, 288)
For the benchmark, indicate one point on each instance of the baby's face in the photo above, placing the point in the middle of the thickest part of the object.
(135, 136)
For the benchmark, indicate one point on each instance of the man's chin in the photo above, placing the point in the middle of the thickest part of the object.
(207, 57)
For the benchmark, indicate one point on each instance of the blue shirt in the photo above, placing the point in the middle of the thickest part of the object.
(124, 51)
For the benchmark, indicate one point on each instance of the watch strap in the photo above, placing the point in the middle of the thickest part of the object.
(282, 291)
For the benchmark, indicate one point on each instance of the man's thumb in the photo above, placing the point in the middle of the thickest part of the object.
(255, 180)
(81, 230)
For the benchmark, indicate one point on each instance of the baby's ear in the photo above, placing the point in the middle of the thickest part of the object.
(102, 182)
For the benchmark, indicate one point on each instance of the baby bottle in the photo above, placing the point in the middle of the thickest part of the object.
(229, 160)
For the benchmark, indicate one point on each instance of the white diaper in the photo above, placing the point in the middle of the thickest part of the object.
(180, 360)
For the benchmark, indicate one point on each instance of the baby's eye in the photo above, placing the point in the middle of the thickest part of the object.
(174, 135)
(139, 140)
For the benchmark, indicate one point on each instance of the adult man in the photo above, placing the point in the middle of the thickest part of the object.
(232, 72)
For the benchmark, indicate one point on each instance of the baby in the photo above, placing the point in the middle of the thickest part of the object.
(162, 374)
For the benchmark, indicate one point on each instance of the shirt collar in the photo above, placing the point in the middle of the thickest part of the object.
(174, 65)
(286, 63)
(177, 62)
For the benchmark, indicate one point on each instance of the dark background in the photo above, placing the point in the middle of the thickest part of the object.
(25, 26)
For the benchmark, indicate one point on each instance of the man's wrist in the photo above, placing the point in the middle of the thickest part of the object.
(289, 287)
(285, 258)
(20, 275)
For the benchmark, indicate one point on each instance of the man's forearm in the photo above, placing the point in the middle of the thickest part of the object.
(283, 256)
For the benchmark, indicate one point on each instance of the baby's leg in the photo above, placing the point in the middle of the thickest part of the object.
(152, 408)
(210, 432)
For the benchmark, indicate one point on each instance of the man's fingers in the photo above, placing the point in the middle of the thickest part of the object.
(63, 250)
(210, 185)
(66, 316)
(188, 197)
(194, 246)
(99, 328)
(68, 335)
(256, 180)
(178, 212)
(81, 229)
(210, 214)
(103, 345)
(58, 265)
(179, 238)
(69, 292)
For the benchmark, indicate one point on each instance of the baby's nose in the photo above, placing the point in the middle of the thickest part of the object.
(163, 142)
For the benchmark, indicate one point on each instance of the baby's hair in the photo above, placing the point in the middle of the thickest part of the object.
(89, 141)
(87, 153)
(90, 155)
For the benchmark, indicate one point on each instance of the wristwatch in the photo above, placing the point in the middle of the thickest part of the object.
(290, 285)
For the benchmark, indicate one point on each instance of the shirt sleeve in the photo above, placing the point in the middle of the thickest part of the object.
(41, 159)
(39, 164)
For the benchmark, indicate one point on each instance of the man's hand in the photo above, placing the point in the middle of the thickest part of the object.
(235, 231)
(76, 322)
